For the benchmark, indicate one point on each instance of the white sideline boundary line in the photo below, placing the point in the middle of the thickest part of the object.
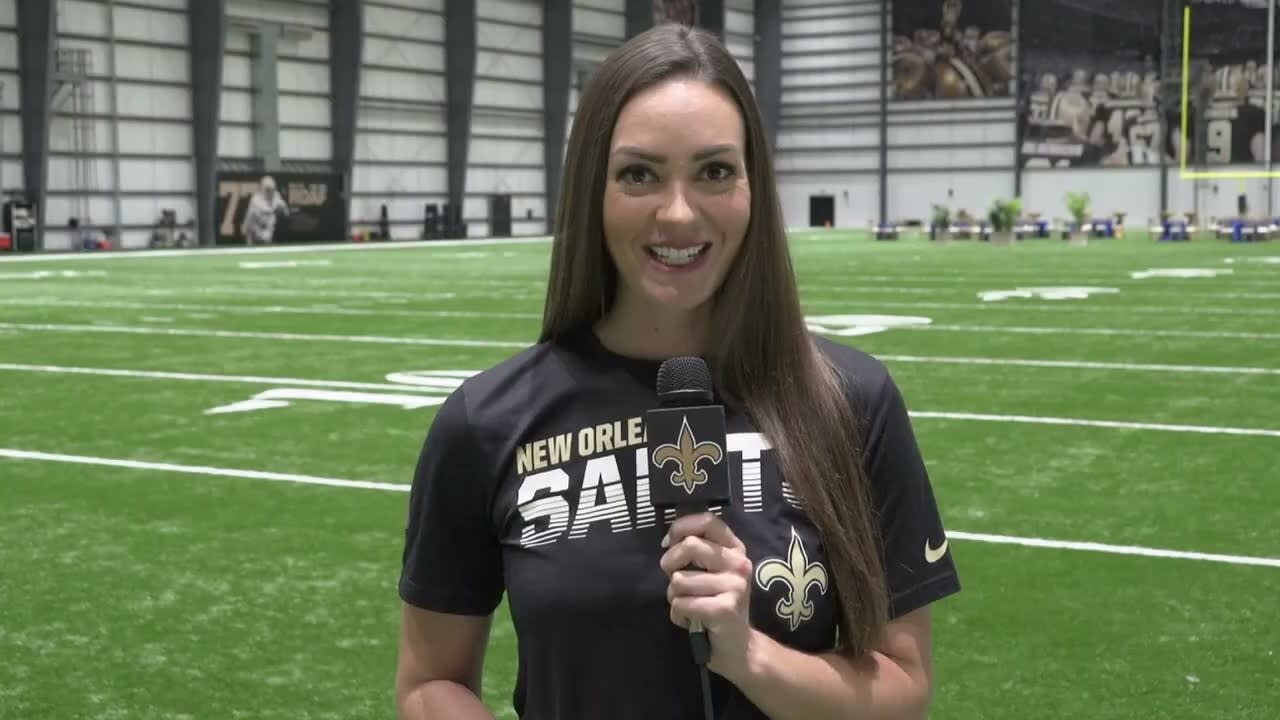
(270, 309)
(29, 455)
(1071, 306)
(303, 337)
(272, 249)
(202, 377)
(1078, 422)
(1081, 364)
(1133, 332)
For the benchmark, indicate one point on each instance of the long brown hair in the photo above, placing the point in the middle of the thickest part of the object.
(764, 361)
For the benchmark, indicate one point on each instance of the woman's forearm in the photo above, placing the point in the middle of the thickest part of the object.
(791, 685)
(442, 700)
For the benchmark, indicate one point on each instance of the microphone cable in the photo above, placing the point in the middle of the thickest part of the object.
(702, 655)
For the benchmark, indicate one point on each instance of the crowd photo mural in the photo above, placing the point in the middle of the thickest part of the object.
(1093, 94)
(952, 49)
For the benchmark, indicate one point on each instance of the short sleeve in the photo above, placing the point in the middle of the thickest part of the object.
(452, 561)
(917, 558)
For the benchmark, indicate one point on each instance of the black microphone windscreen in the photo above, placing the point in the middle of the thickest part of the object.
(684, 373)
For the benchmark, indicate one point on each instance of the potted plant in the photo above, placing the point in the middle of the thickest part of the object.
(1002, 216)
(941, 228)
(1078, 207)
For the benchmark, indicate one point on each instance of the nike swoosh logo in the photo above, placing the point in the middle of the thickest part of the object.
(933, 555)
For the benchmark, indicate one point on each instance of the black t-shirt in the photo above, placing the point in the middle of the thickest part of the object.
(527, 484)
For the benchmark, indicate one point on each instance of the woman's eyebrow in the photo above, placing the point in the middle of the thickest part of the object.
(702, 154)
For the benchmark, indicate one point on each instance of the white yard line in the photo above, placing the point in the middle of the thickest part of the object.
(273, 249)
(1131, 332)
(28, 455)
(1070, 306)
(299, 337)
(203, 377)
(1113, 549)
(1078, 422)
(267, 309)
(1080, 364)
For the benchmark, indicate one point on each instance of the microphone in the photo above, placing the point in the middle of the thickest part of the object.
(688, 456)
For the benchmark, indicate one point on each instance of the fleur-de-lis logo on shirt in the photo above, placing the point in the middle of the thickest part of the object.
(686, 453)
(797, 574)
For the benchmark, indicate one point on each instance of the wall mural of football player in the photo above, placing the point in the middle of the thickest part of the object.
(1097, 102)
(952, 49)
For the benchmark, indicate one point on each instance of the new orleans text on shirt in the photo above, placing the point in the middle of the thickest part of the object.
(553, 512)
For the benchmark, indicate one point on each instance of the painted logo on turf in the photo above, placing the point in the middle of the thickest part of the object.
(410, 390)
(1046, 293)
(1179, 273)
(853, 325)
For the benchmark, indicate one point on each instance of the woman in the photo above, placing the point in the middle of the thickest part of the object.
(814, 584)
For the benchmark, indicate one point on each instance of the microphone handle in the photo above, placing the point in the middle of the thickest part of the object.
(698, 639)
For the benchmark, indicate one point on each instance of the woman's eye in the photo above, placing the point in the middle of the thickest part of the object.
(634, 175)
(718, 172)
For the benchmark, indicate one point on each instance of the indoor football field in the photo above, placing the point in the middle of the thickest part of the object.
(204, 459)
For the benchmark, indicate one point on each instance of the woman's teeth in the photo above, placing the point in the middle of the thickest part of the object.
(676, 256)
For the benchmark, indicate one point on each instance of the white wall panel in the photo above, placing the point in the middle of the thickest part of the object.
(305, 145)
(98, 49)
(857, 199)
(237, 40)
(525, 127)
(1133, 190)
(371, 146)
(956, 133)
(283, 11)
(10, 101)
(365, 209)
(236, 106)
(82, 18)
(520, 96)
(293, 76)
(165, 176)
(950, 157)
(10, 174)
(237, 71)
(235, 142)
(61, 208)
(153, 101)
(595, 22)
(8, 13)
(146, 210)
(477, 206)
(516, 152)
(615, 6)
(375, 179)
(424, 120)
(180, 5)
(10, 135)
(507, 66)
(820, 138)
(64, 172)
(834, 43)
(832, 26)
(157, 138)
(836, 159)
(830, 95)
(435, 6)
(310, 111)
(739, 20)
(315, 47)
(151, 63)
(1212, 199)
(157, 26)
(520, 11)
(505, 180)
(401, 85)
(490, 35)
(62, 133)
(913, 195)
(404, 23)
(799, 80)
(8, 50)
(810, 63)
(408, 55)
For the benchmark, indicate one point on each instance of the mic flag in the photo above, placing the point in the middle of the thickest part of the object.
(688, 457)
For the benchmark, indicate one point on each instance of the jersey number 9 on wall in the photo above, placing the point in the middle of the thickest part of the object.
(312, 209)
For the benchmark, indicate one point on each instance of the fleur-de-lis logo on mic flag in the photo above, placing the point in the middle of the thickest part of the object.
(797, 574)
(686, 453)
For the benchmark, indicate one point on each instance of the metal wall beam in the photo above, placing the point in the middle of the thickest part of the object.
(460, 66)
(557, 72)
(1167, 45)
(884, 111)
(346, 22)
(207, 27)
(37, 44)
(767, 58)
(266, 95)
(711, 16)
(1021, 86)
(639, 16)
